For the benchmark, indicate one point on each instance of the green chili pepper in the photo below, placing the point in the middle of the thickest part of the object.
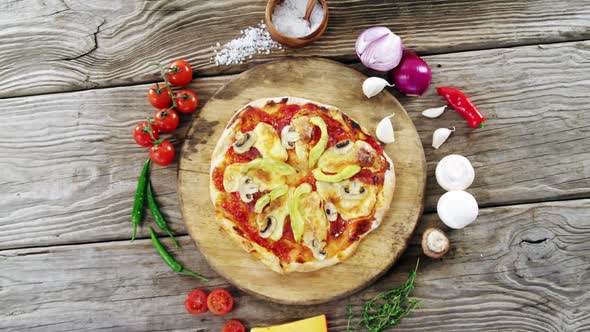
(158, 217)
(138, 203)
(174, 265)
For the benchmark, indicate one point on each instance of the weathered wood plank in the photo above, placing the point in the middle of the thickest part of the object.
(69, 165)
(65, 45)
(518, 268)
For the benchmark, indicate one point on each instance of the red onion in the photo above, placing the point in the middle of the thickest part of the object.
(379, 48)
(413, 75)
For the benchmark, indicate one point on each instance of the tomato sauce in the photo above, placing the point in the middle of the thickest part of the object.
(374, 144)
(232, 157)
(288, 231)
(218, 178)
(311, 107)
(360, 228)
(282, 249)
(337, 132)
(309, 178)
(337, 227)
(238, 209)
(252, 116)
(284, 116)
(369, 177)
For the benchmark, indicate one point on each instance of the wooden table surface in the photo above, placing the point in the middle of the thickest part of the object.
(73, 78)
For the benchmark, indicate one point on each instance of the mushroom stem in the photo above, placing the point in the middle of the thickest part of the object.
(435, 243)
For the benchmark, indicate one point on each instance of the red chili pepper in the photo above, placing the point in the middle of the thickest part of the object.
(461, 103)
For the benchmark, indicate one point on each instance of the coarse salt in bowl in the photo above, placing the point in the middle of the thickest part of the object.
(286, 25)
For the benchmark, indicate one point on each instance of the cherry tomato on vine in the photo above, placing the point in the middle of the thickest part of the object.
(233, 326)
(196, 302)
(141, 134)
(186, 101)
(166, 120)
(162, 153)
(180, 73)
(159, 96)
(220, 302)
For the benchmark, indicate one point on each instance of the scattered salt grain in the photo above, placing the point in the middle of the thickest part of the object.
(288, 18)
(252, 40)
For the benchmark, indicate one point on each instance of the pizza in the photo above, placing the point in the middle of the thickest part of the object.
(299, 184)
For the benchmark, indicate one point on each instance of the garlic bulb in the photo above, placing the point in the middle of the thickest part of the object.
(372, 86)
(434, 112)
(457, 209)
(454, 172)
(385, 131)
(440, 136)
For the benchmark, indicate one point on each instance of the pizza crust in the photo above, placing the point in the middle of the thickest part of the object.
(268, 258)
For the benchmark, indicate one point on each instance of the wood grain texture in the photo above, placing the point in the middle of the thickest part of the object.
(517, 268)
(64, 45)
(68, 165)
(329, 83)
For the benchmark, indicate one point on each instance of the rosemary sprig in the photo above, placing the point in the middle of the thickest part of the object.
(388, 308)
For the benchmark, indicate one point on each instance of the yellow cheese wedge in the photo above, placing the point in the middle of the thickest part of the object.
(314, 324)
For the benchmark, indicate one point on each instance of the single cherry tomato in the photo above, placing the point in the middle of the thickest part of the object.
(196, 302)
(162, 153)
(180, 73)
(220, 302)
(186, 101)
(166, 120)
(159, 96)
(233, 326)
(141, 134)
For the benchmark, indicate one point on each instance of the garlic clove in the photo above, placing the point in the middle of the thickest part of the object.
(440, 136)
(385, 131)
(457, 209)
(372, 86)
(454, 172)
(434, 112)
(435, 243)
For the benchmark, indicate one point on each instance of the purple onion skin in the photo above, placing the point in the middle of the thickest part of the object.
(378, 48)
(413, 75)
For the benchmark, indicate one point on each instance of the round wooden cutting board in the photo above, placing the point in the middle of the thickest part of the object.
(326, 82)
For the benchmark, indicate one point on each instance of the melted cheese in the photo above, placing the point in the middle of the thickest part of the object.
(268, 142)
(316, 227)
(278, 209)
(361, 153)
(304, 127)
(316, 223)
(266, 180)
(314, 324)
(232, 177)
(347, 205)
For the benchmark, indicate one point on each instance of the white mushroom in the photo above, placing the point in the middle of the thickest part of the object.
(343, 147)
(331, 213)
(354, 190)
(318, 248)
(244, 141)
(247, 189)
(268, 226)
(457, 209)
(289, 136)
(454, 172)
(435, 243)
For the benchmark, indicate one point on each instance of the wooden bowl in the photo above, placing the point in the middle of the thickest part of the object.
(294, 41)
